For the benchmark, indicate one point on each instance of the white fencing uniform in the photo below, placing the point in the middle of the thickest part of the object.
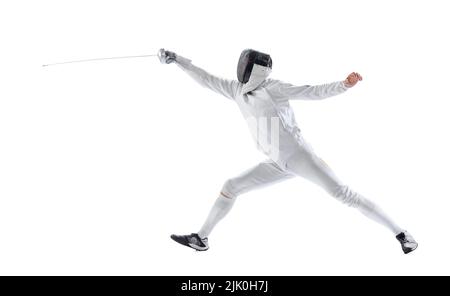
(272, 123)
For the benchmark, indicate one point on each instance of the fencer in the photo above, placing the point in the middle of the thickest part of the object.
(264, 103)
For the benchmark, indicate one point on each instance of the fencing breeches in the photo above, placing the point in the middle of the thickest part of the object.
(303, 163)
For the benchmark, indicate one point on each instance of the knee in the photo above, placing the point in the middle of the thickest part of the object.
(229, 190)
(347, 196)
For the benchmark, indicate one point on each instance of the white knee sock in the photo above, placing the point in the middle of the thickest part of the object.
(365, 206)
(220, 209)
(375, 213)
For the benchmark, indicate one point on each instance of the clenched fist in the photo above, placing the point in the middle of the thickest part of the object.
(352, 79)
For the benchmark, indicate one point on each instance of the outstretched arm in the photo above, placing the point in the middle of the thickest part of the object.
(225, 87)
(318, 92)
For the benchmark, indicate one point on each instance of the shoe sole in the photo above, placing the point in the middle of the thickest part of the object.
(410, 250)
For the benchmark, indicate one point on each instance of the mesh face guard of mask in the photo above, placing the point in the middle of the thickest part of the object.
(248, 58)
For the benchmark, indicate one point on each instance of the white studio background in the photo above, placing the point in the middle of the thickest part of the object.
(101, 162)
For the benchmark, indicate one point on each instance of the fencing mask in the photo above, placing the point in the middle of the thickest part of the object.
(248, 59)
(253, 68)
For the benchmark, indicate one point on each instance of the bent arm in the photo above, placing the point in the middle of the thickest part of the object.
(225, 87)
(315, 92)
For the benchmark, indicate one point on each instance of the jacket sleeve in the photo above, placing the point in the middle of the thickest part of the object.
(310, 92)
(225, 87)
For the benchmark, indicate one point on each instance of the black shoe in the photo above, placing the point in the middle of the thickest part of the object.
(407, 241)
(192, 241)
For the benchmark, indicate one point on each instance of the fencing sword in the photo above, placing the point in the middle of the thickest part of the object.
(108, 58)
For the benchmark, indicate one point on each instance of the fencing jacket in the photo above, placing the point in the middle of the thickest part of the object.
(266, 109)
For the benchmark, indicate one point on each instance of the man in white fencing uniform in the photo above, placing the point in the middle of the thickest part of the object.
(264, 103)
